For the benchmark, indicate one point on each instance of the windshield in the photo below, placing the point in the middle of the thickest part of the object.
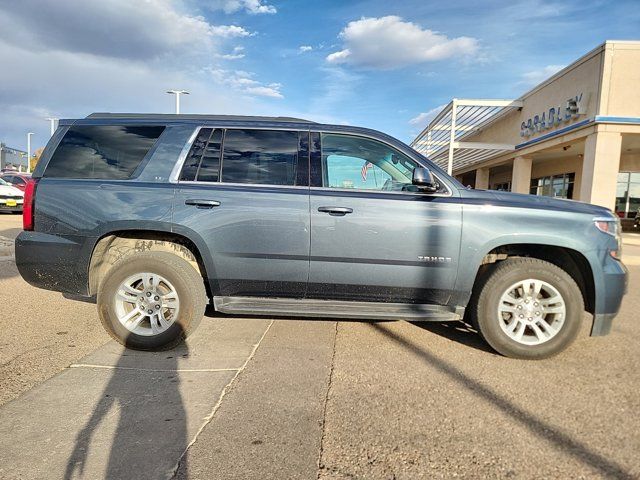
(4, 183)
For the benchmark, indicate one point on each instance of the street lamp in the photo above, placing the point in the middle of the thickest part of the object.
(177, 93)
(29, 151)
(54, 124)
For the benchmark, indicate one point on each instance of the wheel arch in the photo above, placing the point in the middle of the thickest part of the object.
(570, 260)
(113, 245)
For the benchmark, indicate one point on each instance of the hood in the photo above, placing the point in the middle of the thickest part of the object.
(9, 191)
(521, 200)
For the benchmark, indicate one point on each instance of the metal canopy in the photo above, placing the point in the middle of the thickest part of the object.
(442, 140)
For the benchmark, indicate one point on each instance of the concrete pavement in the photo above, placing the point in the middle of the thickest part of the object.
(270, 424)
(10, 225)
(118, 413)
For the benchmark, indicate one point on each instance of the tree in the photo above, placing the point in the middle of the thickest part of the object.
(35, 158)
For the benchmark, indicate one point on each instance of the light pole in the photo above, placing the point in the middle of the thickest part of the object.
(29, 151)
(177, 93)
(54, 124)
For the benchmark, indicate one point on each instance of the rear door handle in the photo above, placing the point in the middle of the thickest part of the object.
(336, 211)
(198, 203)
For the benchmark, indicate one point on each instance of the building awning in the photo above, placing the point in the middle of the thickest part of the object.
(442, 141)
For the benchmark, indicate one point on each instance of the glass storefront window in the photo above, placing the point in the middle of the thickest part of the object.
(634, 199)
(560, 186)
(628, 194)
(503, 187)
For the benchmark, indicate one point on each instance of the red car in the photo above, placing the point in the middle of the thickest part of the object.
(17, 179)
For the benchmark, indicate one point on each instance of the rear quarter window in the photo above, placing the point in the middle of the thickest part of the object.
(102, 151)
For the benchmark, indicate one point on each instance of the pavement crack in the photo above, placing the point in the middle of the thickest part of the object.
(215, 408)
(27, 352)
(326, 400)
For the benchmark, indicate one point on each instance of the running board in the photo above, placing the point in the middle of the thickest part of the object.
(334, 309)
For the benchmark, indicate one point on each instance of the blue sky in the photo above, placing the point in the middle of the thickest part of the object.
(381, 64)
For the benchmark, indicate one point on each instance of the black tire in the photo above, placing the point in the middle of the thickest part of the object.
(496, 280)
(188, 284)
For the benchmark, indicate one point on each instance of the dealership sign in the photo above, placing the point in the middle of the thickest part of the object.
(573, 108)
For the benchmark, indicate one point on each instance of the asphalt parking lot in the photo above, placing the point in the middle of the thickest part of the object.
(286, 398)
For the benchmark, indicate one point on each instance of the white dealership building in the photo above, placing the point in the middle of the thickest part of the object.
(576, 135)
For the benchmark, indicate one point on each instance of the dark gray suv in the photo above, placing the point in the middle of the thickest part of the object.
(155, 216)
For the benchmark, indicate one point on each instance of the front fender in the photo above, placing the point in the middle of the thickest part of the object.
(487, 227)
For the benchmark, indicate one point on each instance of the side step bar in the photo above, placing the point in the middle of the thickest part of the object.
(334, 309)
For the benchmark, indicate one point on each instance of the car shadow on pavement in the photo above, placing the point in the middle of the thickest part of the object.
(538, 427)
(147, 404)
(459, 332)
(7, 269)
(11, 233)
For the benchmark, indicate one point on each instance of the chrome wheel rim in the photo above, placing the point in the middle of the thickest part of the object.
(531, 312)
(146, 304)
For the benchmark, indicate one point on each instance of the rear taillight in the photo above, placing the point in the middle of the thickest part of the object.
(28, 204)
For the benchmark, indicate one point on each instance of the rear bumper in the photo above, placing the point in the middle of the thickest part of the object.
(54, 262)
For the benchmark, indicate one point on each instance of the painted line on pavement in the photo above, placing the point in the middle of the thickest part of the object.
(112, 367)
(209, 417)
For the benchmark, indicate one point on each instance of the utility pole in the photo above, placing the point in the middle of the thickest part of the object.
(177, 93)
(54, 124)
(29, 152)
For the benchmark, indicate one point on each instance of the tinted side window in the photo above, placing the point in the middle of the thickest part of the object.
(104, 151)
(192, 162)
(209, 170)
(203, 161)
(260, 157)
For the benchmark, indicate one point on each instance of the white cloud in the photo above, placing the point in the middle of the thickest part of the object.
(116, 28)
(535, 77)
(271, 90)
(229, 31)
(305, 48)
(422, 119)
(57, 60)
(254, 7)
(236, 54)
(389, 42)
(244, 82)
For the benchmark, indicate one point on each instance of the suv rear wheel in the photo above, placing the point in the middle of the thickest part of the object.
(151, 300)
(528, 308)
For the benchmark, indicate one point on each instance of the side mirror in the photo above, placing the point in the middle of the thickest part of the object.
(423, 179)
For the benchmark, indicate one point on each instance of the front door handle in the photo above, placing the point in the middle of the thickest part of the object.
(336, 211)
(199, 203)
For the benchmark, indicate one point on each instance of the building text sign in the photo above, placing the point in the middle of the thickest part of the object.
(573, 108)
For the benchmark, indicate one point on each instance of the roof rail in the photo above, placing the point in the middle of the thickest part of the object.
(164, 116)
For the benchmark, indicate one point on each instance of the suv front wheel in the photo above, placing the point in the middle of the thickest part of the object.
(151, 300)
(527, 308)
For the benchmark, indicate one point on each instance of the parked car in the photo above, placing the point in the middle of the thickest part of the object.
(154, 216)
(18, 180)
(11, 199)
(636, 220)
